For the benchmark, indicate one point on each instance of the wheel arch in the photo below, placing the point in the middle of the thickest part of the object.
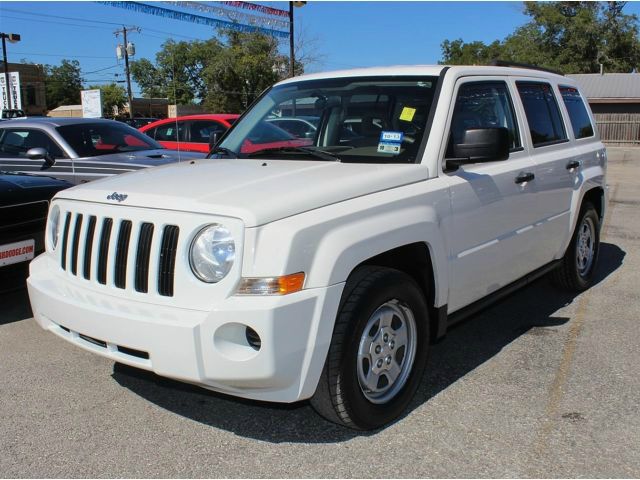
(415, 260)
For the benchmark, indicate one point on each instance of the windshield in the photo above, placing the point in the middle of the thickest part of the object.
(95, 139)
(358, 119)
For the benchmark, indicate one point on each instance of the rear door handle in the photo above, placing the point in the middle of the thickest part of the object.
(573, 164)
(525, 177)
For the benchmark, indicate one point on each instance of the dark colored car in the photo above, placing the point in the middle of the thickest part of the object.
(137, 122)
(79, 149)
(24, 202)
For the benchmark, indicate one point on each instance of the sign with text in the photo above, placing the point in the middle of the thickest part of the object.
(91, 103)
(14, 91)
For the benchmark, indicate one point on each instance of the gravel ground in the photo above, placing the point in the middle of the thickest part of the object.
(542, 384)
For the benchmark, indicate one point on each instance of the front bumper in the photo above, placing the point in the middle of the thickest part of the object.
(207, 348)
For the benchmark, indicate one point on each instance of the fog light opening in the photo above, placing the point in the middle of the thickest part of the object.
(253, 339)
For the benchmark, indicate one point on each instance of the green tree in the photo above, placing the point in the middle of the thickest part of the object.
(177, 73)
(223, 76)
(248, 64)
(573, 37)
(63, 84)
(113, 97)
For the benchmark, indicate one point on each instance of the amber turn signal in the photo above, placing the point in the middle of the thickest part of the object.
(272, 285)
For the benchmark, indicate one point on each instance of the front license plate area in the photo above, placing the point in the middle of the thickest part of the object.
(17, 252)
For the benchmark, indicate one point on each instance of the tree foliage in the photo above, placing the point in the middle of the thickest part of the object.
(573, 37)
(63, 83)
(224, 77)
(113, 97)
(177, 72)
(247, 65)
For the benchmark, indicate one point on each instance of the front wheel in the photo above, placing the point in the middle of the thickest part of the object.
(378, 351)
(577, 269)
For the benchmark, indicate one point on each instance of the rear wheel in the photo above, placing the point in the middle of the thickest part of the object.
(378, 351)
(577, 269)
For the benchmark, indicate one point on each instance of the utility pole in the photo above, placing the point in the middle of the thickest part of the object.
(126, 64)
(13, 38)
(292, 59)
(291, 52)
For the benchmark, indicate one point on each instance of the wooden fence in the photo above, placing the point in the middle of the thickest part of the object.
(619, 128)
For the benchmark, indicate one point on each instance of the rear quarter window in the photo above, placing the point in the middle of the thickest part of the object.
(543, 115)
(578, 114)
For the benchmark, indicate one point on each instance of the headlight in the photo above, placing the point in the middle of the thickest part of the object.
(53, 227)
(212, 253)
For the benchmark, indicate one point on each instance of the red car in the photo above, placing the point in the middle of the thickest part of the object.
(190, 133)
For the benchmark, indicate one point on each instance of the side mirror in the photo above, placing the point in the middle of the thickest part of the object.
(481, 145)
(213, 139)
(40, 153)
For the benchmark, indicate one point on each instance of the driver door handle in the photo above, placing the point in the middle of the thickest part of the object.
(573, 164)
(525, 177)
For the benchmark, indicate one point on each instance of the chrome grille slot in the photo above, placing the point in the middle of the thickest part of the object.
(88, 247)
(74, 245)
(167, 260)
(122, 253)
(103, 250)
(142, 258)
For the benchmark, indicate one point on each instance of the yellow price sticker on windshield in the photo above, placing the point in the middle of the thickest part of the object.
(407, 114)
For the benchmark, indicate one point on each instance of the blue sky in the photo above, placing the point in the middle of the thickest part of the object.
(346, 34)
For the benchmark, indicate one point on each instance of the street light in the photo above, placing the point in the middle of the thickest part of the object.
(13, 38)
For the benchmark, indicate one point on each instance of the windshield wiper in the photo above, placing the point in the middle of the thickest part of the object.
(322, 154)
(224, 151)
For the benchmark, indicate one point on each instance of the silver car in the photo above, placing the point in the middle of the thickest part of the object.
(79, 149)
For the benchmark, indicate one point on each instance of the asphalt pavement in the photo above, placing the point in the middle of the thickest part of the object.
(543, 384)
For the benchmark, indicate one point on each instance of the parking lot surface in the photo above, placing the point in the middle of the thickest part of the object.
(544, 383)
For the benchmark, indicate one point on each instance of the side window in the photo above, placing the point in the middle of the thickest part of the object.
(483, 105)
(169, 132)
(543, 114)
(16, 142)
(202, 129)
(151, 133)
(578, 114)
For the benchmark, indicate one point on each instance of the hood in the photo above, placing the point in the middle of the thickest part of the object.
(256, 191)
(21, 188)
(158, 156)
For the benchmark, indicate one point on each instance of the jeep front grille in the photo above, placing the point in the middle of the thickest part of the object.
(130, 250)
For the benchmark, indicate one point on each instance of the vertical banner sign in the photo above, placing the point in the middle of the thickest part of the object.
(91, 103)
(14, 91)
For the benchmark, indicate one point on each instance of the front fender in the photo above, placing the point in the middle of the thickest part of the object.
(329, 242)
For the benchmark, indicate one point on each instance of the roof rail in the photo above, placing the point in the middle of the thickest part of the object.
(506, 63)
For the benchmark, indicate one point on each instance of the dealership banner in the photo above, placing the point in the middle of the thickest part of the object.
(14, 91)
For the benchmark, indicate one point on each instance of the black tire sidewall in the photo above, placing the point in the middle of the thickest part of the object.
(394, 285)
(585, 281)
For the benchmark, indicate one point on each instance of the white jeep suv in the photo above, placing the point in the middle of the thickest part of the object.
(323, 268)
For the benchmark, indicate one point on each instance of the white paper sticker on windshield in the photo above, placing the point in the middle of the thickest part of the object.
(393, 148)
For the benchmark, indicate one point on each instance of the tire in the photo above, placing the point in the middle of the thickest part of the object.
(578, 265)
(378, 351)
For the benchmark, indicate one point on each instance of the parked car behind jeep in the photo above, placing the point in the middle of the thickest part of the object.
(24, 202)
(79, 149)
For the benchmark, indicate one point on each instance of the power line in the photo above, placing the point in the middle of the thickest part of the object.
(58, 55)
(58, 16)
(101, 69)
(58, 23)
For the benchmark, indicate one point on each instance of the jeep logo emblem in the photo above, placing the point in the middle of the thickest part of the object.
(120, 197)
